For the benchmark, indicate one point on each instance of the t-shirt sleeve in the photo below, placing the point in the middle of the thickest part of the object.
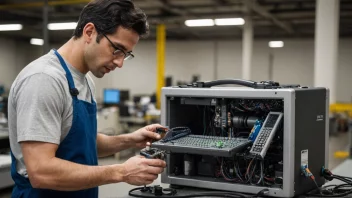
(39, 107)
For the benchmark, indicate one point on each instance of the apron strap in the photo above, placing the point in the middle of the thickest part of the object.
(73, 90)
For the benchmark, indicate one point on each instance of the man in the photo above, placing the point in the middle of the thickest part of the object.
(52, 111)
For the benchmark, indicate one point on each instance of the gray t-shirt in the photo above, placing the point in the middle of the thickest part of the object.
(40, 105)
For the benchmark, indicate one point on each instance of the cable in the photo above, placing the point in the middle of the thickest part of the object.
(237, 171)
(176, 133)
(262, 192)
(202, 194)
(337, 190)
(308, 173)
(261, 172)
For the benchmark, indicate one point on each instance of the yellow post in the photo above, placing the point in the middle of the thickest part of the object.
(160, 57)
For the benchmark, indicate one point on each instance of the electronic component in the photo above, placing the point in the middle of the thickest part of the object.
(152, 153)
(162, 131)
(204, 145)
(255, 130)
(189, 165)
(217, 119)
(220, 116)
(223, 114)
(266, 134)
(244, 121)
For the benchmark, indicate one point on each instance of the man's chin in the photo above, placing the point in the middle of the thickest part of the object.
(99, 75)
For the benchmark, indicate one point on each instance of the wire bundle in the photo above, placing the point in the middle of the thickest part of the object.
(225, 173)
(253, 175)
(334, 190)
(250, 172)
(257, 105)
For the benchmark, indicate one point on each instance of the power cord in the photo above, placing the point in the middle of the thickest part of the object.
(337, 190)
(158, 191)
(307, 173)
(262, 193)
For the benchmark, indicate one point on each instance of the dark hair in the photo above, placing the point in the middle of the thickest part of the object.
(108, 15)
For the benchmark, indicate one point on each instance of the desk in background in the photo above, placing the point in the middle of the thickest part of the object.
(5, 160)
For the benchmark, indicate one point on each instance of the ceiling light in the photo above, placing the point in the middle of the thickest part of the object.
(10, 27)
(62, 26)
(199, 22)
(36, 41)
(229, 21)
(276, 44)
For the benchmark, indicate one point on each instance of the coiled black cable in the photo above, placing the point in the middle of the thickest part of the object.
(202, 194)
(176, 133)
(338, 190)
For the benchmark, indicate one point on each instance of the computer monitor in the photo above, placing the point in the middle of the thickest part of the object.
(136, 99)
(124, 95)
(111, 96)
(153, 98)
(168, 81)
(195, 78)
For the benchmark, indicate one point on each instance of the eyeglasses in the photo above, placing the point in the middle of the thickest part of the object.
(119, 52)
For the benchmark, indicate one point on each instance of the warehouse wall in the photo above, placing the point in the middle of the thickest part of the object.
(344, 73)
(213, 60)
(292, 64)
(210, 59)
(13, 57)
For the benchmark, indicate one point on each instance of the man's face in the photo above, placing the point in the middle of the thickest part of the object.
(100, 57)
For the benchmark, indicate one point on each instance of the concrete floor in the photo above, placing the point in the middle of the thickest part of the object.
(336, 143)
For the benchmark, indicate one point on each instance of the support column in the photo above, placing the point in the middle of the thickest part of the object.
(160, 57)
(216, 60)
(45, 27)
(326, 45)
(247, 46)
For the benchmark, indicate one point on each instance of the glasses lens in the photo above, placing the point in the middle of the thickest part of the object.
(129, 56)
(119, 53)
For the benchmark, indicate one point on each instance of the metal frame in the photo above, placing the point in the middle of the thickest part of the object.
(288, 95)
(327, 129)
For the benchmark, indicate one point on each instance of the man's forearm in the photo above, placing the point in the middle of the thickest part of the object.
(109, 145)
(58, 174)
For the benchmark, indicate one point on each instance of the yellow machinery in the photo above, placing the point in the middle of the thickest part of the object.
(341, 108)
(342, 112)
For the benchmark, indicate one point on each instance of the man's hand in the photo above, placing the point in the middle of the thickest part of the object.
(143, 136)
(142, 171)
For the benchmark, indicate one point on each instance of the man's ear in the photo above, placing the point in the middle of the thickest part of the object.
(89, 32)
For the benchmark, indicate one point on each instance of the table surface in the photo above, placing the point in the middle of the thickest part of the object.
(344, 169)
(4, 133)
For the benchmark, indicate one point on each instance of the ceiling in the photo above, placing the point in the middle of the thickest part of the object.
(271, 18)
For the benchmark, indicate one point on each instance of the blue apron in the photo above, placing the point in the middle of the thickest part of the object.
(79, 146)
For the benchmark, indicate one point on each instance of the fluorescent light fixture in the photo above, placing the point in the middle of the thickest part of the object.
(10, 27)
(229, 21)
(276, 44)
(62, 26)
(36, 41)
(199, 22)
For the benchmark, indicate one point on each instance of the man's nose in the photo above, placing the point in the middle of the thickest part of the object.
(118, 62)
